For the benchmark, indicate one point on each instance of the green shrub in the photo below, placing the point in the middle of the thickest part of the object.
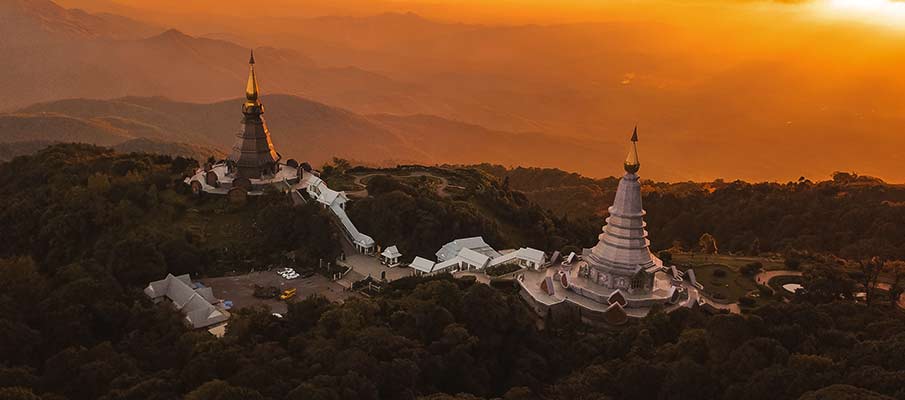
(501, 269)
(752, 269)
(793, 263)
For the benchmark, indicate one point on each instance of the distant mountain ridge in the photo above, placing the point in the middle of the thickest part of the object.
(12, 150)
(302, 129)
(40, 22)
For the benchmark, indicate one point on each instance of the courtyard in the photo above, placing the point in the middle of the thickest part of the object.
(240, 289)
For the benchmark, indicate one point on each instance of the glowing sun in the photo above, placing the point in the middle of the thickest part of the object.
(887, 12)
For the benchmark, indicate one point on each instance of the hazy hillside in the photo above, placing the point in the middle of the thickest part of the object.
(187, 150)
(308, 130)
(41, 22)
(58, 128)
(11, 150)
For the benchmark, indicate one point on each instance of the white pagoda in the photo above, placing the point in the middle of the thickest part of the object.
(619, 277)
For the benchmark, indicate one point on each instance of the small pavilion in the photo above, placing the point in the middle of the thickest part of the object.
(390, 256)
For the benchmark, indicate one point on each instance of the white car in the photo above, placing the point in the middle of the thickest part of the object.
(291, 276)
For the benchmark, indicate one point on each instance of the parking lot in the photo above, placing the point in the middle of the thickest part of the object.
(240, 289)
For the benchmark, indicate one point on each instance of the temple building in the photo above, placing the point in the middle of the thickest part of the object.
(619, 277)
(254, 162)
(622, 260)
(253, 154)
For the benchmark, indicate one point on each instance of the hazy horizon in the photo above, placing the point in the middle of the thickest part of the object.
(753, 90)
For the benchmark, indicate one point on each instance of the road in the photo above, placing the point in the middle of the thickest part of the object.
(441, 188)
(364, 266)
(764, 278)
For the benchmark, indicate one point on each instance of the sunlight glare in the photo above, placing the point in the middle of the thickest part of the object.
(886, 12)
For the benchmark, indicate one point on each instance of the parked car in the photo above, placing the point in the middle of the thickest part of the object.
(289, 273)
(288, 294)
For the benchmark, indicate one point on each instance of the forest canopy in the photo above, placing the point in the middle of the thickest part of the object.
(83, 229)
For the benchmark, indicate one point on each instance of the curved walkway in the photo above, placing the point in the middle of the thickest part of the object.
(441, 189)
(765, 277)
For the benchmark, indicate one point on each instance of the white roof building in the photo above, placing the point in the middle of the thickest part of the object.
(422, 266)
(390, 256)
(319, 190)
(474, 259)
(196, 304)
(525, 256)
(477, 243)
(532, 255)
(447, 266)
(391, 252)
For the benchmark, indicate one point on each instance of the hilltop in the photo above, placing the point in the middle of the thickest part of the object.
(86, 229)
(832, 216)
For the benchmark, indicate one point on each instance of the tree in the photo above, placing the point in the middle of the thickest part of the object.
(751, 269)
(869, 256)
(754, 250)
(220, 390)
(792, 263)
(824, 283)
(897, 270)
(341, 165)
(708, 244)
(843, 392)
(665, 256)
(18, 393)
(135, 260)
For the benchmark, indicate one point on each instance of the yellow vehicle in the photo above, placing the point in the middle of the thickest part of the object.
(288, 294)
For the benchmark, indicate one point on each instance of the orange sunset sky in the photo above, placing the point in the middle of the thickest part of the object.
(747, 89)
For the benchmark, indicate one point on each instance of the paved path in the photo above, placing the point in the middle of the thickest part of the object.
(365, 265)
(441, 188)
(764, 278)
(240, 289)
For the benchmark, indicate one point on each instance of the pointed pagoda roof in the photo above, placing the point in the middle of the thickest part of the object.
(251, 88)
(632, 164)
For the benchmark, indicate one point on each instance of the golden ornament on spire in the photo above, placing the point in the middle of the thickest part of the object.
(251, 90)
(632, 165)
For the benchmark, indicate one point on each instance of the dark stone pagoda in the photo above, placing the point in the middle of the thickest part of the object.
(253, 155)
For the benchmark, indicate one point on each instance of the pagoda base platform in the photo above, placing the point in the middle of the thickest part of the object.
(593, 299)
(285, 178)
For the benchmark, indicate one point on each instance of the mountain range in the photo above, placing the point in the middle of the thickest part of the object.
(704, 111)
(301, 129)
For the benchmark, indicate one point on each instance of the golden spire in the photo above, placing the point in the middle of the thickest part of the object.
(632, 165)
(251, 90)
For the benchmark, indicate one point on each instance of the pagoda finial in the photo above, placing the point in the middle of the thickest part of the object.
(632, 165)
(251, 89)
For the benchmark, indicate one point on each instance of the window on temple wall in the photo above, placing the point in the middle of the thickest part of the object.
(638, 281)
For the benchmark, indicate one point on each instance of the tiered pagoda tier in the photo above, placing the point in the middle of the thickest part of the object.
(253, 154)
(622, 258)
